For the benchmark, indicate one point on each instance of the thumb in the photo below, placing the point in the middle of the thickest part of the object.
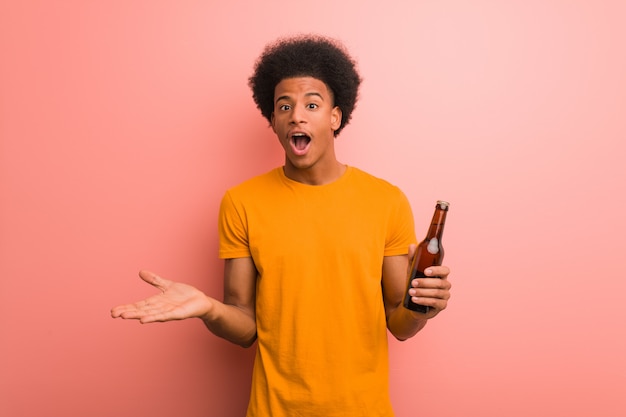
(155, 280)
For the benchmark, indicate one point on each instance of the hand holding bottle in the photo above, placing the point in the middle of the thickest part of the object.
(426, 261)
(431, 291)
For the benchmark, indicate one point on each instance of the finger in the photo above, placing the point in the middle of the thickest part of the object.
(141, 312)
(156, 317)
(117, 311)
(424, 301)
(160, 315)
(432, 302)
(149, 303)
(430, 287)
(437, 271)
(433, 288)
(432, 293)
(155, 280)
(131, 314)
(433, 283)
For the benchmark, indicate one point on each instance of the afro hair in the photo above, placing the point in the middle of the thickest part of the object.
(306, 56)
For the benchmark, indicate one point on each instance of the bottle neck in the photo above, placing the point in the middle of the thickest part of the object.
(437, 224)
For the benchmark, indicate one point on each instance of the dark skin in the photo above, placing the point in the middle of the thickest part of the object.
(303, 107)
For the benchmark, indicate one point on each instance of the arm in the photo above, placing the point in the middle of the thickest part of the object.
(434, 292)
(233, 320)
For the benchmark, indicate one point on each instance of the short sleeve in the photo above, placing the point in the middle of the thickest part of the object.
(401, 227)
(232, 229)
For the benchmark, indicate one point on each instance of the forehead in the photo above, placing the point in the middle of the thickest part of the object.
(290, 87)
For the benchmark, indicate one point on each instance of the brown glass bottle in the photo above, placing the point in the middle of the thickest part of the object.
(429, 253)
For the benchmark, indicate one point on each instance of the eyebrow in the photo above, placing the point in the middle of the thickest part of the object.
(312, 93)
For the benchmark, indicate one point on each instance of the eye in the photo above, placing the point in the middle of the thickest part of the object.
(284, 107)
(312, 106)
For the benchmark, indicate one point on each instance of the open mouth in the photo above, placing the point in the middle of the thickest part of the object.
(300, 142)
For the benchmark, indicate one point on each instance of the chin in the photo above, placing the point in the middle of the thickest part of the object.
(299, 164)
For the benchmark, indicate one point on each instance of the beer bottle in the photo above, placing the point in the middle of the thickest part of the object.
(429, 253)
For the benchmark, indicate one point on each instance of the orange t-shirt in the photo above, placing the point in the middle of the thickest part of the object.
(318, 250)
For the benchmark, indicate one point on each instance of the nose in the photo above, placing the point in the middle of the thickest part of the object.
(297, 115)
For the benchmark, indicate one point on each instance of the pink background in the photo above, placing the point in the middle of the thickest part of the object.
(123, 122)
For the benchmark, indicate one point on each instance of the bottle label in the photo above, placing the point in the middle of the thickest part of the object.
(433, 246)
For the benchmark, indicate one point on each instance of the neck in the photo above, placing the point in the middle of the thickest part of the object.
(315, 175)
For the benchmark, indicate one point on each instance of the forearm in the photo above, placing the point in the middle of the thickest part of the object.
(231, 323)
(403, 323)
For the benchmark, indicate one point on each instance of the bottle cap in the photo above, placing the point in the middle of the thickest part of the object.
(444, 204)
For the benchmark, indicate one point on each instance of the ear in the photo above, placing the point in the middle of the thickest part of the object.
(272, 122)
(335, 118)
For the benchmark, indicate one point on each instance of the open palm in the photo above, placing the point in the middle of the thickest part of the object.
(177, 301)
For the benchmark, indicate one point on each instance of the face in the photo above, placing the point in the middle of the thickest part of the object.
(305, 119)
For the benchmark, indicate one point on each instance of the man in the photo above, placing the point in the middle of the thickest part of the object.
(316, 253)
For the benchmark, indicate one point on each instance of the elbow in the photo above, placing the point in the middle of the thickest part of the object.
(401, 336)
(248, 342)
(405, 329)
